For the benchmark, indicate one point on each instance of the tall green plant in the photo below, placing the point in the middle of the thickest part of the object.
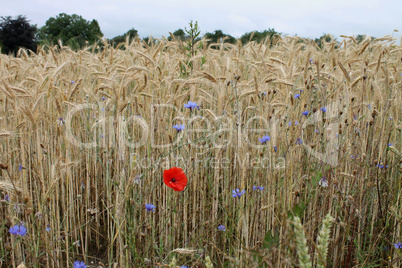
(194, 34)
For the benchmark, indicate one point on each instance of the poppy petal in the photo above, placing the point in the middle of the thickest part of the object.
(178, 187)
(169, 174)
(180, 179)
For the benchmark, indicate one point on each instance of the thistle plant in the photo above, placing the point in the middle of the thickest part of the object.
(193, 33)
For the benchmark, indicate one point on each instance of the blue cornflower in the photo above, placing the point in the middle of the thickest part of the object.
(221, 227)
(264, 139)
(72, 82)
(305, 113)
(311, 60)
(79, 264)
(48, 229)
(323, 109)
(22, 231)
(19, 167)
(275, 148)
(390, 144)
(150, 207)
(263, 93)
(7, 198)
(191, 105)
(179, 127)
(297, 96)
(290, 123)
(103, 98)
(353, 156)
(184, 266)
(299, 141)
(261, 188)
(296, 123)
(237, 193)
(398, 245)
(382, 166)
(316, 131)
(18, 230)
(14, 229)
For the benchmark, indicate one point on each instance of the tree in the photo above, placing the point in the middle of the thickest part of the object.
(149, 40)
(361, 37)
(260, 36)
(178, 34)
(132, 33)
(218, 36)
(72, 30)
(17, 33)
(325, 38)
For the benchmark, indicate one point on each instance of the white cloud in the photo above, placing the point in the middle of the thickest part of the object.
(308, 18)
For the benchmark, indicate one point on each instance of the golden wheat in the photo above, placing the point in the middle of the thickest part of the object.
(90, 178)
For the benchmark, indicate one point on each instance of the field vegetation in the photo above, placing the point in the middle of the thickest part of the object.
(310, 136)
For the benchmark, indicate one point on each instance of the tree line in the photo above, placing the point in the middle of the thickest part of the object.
(77, 32)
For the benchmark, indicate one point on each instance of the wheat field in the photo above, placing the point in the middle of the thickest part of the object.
(85, 137)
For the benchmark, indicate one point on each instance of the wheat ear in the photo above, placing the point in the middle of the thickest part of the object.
(301, 244)
(323, 241)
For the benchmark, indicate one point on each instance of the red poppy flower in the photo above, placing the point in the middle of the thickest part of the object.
(175, 178)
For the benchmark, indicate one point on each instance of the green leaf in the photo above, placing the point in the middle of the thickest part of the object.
(297, 210)
(270, 240)
(317, 178)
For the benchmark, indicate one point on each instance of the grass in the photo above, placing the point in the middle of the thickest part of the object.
(92, 131)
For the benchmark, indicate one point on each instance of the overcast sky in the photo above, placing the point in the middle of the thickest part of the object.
(306, 18)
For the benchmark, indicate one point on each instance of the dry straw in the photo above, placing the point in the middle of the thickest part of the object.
(245, 91)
